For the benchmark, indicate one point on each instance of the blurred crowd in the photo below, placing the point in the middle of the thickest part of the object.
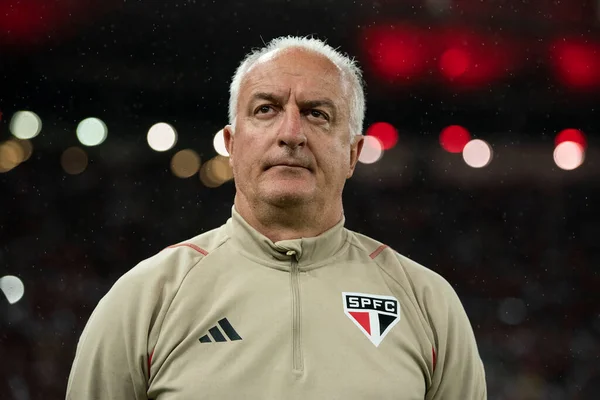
(523, 259)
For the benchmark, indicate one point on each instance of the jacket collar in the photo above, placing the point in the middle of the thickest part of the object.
(308, 251)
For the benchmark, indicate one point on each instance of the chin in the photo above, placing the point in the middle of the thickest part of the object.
(286, 192)
(287, 198)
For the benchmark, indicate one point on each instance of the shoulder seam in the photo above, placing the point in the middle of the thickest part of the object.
(191, 246)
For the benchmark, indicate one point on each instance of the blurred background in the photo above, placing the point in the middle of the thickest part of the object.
(482, 162)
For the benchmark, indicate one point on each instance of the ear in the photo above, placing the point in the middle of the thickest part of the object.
(355, 149)
(229, 139)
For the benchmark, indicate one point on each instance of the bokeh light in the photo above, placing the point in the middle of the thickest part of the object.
(571, 135)
(25, 124)
(220, 169)
(385, 132)
(219, 144)
(471, 58)
(215, 172)
(206, 176)
(26, 146)
(477, 153)
(577, 63)
(453, 138)
(454, 62)
(185, 163)
(162, 137)
(569, 155)
(91, 132)
(372, 150)
(12, 287)
(11, 155)
(74, 160)
(396, 52)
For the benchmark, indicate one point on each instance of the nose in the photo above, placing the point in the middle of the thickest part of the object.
(291, 132)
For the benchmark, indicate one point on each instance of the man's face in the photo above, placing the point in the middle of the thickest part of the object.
(292, 144)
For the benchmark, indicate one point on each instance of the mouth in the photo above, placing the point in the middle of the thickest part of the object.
(288, 166)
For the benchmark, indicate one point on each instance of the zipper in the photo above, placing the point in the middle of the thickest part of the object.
(297, 362)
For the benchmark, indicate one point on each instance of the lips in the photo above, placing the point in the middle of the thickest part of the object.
(285, 164)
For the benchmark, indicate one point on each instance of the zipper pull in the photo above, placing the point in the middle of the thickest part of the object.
(290, 253)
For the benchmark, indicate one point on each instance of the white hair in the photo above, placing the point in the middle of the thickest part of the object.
(350, 70)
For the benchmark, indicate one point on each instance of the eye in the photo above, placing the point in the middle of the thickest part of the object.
(263, 109)
(318, 114)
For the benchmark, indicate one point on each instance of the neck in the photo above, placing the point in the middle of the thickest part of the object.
(284, 223)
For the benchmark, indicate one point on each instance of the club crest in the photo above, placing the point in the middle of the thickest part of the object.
(374, 315)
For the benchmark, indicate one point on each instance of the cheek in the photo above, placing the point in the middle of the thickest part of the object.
(247, 156)
(335, 162)
(240, 163)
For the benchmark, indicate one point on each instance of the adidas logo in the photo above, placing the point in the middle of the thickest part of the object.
(218, 336)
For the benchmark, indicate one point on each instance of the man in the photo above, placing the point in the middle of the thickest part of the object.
(282, 302)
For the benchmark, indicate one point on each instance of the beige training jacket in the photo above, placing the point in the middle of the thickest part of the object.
(231, 315)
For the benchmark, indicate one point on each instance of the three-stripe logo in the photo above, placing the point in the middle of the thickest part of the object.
(227, 333)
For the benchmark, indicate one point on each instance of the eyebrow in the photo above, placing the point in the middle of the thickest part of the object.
(273, 98)
(320, 103)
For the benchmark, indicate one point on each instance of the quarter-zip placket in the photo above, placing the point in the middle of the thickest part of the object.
(297, 361)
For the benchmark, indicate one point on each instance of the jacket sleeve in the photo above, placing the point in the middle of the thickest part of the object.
(114, 353)
(458, 371)
(111, 360)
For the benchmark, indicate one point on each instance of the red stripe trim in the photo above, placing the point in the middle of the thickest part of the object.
(379, 250)
(434, 357)
(191, 246)
(150, 362)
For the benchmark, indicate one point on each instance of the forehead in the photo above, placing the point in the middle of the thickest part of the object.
(302, 72)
